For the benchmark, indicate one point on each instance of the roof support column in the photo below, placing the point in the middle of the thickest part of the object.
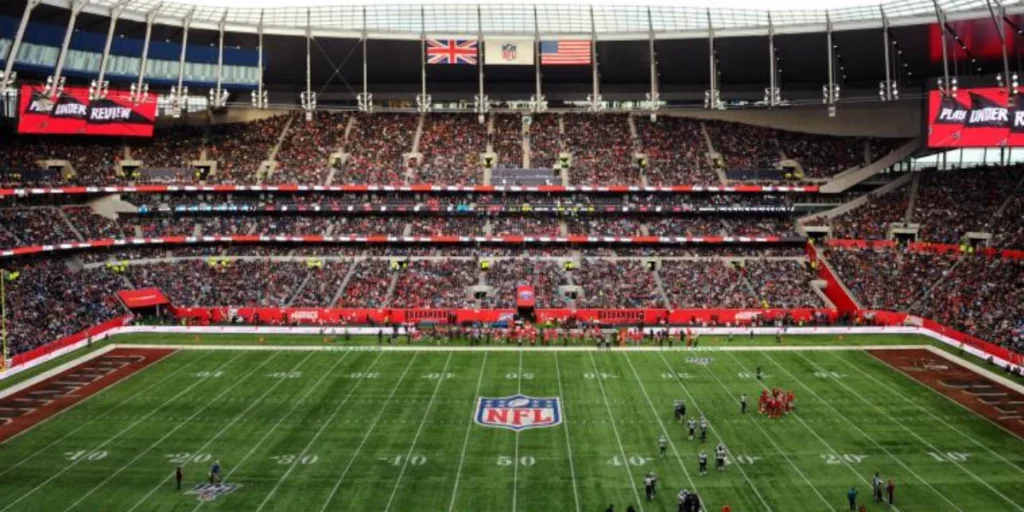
(1010, 81)
(365, 99)
(596, 105)
(830, 91)
(179, 94)
(139, 91)
(218, 95)
(771, 94)
(481, 103)
(259, 96)
(98, 88)
(712, 96)
(947, 85)
(537, 103)
(308, 97)
(423, 99)
(653, 97)
(8, 76)
(55, 82)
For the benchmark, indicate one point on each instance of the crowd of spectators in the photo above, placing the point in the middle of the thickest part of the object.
(782, 283)
(369, 225)
(322, 285)
(1009, 227)
(545, 141)
(507, 140)
(686, 226)
(451, 145)
(435, 284)
(305, 153)
(744, 147)
(240, 148)
(871, 220)
(35, 226)
(759, 226)
(951, 203)
(520, 225)
(368, 286)
(707, 283)
(823, 156)
(174, 147)
(376, 147)
(91, 225)
(676, 151)
(889, 279)
(237, 283)
(593, 225)
(602, 150)
(545, 276)
(616, 284)
(462, 225)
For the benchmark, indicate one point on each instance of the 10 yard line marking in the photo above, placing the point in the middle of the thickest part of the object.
(416, 438)
(369, 431)
(182, 424)
(916, 436)
(465, 441)
(515, 470)
(622, 450)
(568, 445)
(865, 434)
(115, 436)
(90, 421)
(800, 419)
(727, 450)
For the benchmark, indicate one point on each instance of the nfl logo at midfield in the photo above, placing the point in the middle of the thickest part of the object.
(209, 492)
(519, 412)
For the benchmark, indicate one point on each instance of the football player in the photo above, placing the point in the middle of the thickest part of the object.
(662, 445)
(702, 463)
(692, 424)
(720, 457)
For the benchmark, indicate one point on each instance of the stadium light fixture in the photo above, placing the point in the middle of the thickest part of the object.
(98, 90)
(259, 99)
(365, 101)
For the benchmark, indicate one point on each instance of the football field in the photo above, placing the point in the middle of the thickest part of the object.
(372, 430)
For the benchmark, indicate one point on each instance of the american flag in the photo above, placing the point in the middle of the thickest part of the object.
(564, 53)
(451, 51)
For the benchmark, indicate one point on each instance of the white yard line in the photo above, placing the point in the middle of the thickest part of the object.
(216, 436)
(416, 438)
(916, 436)
(568, 445)
(813, 432)
(840, 414)
(615, 429)
(97, 417)
(514, 348)
(774, 444)
(469, 428)
(380, 412)
(661, 425)
(182, 424)
(715, 431)
(515, 461)
(935, 416)
(117, 435)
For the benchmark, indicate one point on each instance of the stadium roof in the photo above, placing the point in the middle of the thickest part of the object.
(608, 22)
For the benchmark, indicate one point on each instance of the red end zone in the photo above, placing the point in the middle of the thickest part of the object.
(30, 406)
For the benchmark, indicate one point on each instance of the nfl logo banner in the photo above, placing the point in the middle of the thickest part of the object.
(519, 412)
(515, 52)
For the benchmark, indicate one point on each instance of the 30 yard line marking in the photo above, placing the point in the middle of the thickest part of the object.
(515, 470)
(813, 432)
(933, 415)
(713, 430)
(186, 422)
(115, 436)
(104, 414)
(774, 444)
(916, 436)
(865, 434)
(320, 431)
(202, 448)
(380, 412)
(615, 429)
(416, 438)
(568, 445)
(706, 504)
(469, 428)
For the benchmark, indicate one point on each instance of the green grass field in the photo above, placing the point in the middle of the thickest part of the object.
(367, 430)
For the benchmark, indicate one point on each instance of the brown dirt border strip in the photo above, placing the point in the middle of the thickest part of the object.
(913, 363)
(37, 410)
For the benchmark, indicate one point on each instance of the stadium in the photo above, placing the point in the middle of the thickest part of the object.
(553, 256)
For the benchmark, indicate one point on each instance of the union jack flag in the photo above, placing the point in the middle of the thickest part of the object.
(451, 51)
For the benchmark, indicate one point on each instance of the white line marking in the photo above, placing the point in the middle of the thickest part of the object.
(714, 430)
(916, 436)
(811, 430)
(426, 412)
(513, 348)
(469, 428)
(515, 470)
(380, 412)
(115, 436)
(568, 445)
(182, 424)
(615, 429)
(865, 434)
(277, 382)
(57, 370)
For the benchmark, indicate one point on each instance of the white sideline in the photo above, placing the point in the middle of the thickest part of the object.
(51, 372)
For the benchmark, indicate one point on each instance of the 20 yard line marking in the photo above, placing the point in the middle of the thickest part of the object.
(568, 445)
(182, 424)
(714, 430)
(865, 434)
(115, 436)
(515, 462)
(622, 449)
(469, 428)
(800, 419)
(426, 413)
(316, 436)
(915, 435)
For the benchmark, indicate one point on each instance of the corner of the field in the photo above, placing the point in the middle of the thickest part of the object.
(975, 368)
(55, 370)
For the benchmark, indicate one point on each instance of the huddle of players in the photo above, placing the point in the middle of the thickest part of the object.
(776, 402)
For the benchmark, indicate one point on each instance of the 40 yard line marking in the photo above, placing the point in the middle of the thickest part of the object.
(469, 428)
(115, 436)
(380, 412)
(813, 432)
(416, 438)
(568, 445)
(916, 436)
(715, 431)
(622, 450)
(186, 422)
(865, 434)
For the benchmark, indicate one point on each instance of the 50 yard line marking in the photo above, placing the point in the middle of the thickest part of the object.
(465, 440)
(916, 436)
(568, 445)
(426, 412)
(115, 436)
(622, 450)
